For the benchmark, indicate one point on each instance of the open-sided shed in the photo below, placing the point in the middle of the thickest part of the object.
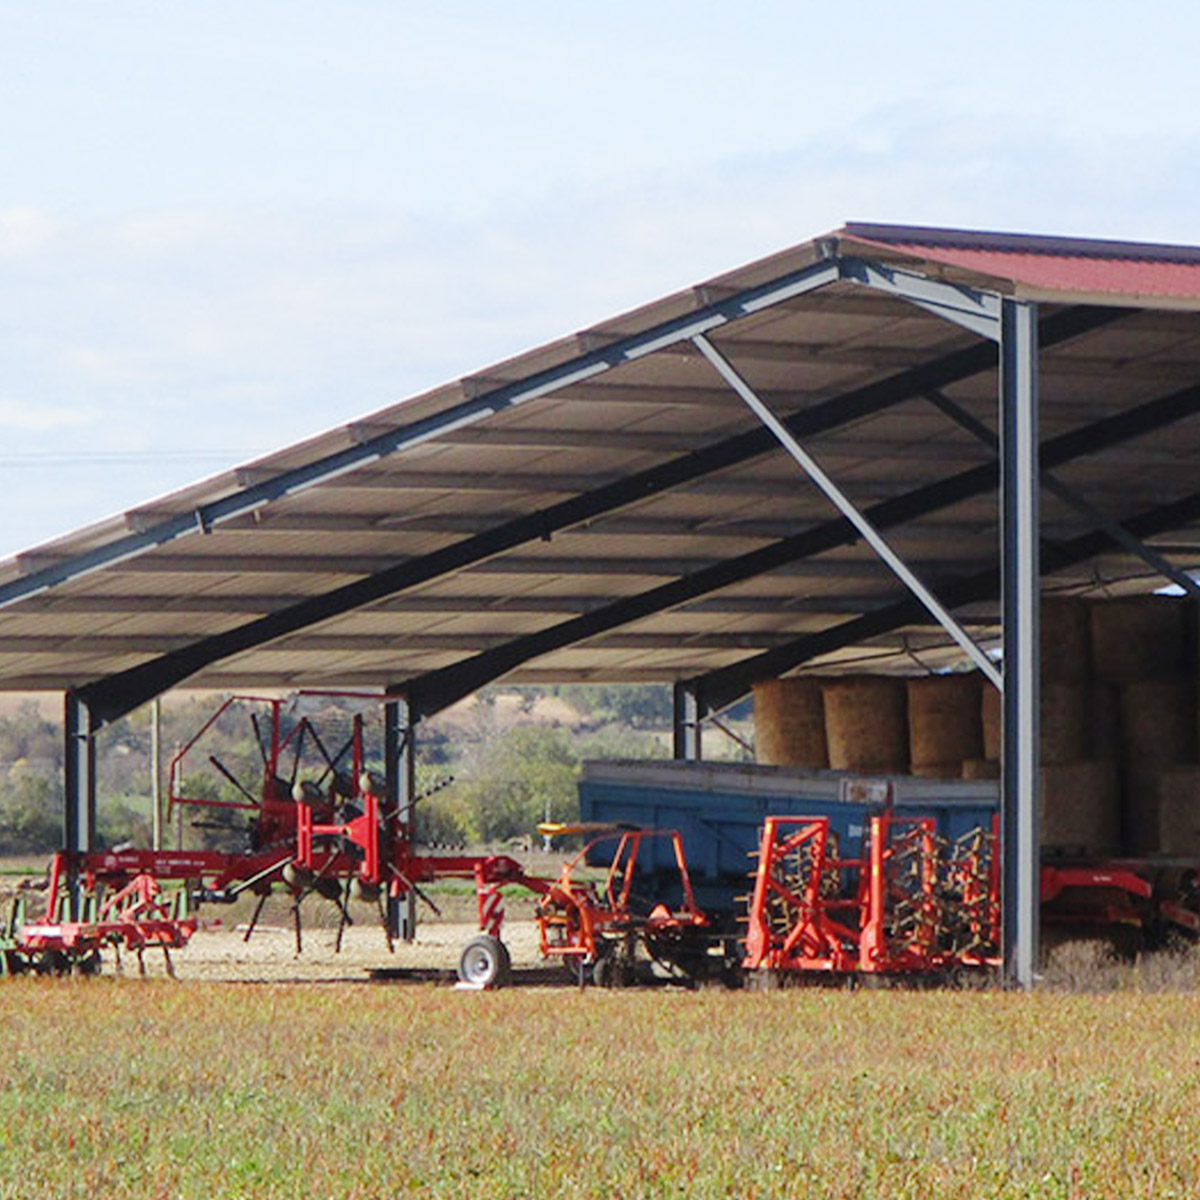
(825, 457)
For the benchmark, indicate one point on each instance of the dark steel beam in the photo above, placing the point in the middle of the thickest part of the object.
(117, 695)
(719, 689)
(489, 400)
(438, 689)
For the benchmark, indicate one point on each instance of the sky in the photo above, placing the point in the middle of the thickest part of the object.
(225, 227)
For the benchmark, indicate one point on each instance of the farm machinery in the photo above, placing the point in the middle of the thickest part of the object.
(911, 903)
(319, 821)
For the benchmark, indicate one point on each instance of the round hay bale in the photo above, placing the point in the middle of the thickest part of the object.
(1158, 722)
(1066, 639)
(992, 713)
(1104, 702)
(981, 768)
(1141, 784)
(1140, 638)
(1081, 808)
(789, 723)
(1178, 811)
(1066, 722)
(866, 727)
(944, 720)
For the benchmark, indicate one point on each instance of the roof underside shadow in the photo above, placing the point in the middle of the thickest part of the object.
(606, 509)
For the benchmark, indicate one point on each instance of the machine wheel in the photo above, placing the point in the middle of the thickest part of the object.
(485, 962)
(604, 972)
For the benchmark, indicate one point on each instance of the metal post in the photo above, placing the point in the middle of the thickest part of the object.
(1021, 587)
(156, 812)
(400, 767)
(79, 790)
(687, 730)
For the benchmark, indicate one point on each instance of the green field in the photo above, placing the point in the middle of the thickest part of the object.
(124, 1088)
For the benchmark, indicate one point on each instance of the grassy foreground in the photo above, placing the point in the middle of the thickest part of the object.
(113, 1088)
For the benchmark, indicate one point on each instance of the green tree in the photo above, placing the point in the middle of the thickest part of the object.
(521, 778)
(30, 816)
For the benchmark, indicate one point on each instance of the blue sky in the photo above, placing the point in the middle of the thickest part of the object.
(225, 226)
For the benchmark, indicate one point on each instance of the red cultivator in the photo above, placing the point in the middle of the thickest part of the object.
(135, 917)
(912, 903)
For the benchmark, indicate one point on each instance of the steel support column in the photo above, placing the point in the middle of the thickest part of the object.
(1021, 596)
(79, 785)
(686, 722)
(400, 767)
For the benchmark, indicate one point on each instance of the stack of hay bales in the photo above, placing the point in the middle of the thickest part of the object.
(1081, 809)
(1119, 737)
(1143, 649)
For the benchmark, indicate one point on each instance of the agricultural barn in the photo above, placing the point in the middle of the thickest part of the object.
(825, 461)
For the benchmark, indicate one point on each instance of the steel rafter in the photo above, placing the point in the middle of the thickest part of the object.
(718, 689)
(489, 403)
(435, 690)
(119, 694)
(1075, 499)
(845, 506)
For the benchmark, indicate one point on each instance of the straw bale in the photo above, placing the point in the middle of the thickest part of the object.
(981, 768)
(1104, 703)
(866, 726)
(1081, 807)
(1178, 815)
(1140, 638)
(1065, 716)
(944, 721)
(1158, 722)
(789, 723)
(1066, 640)
(992, 713)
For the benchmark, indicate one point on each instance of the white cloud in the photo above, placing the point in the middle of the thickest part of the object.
(24, 416)
(25, 231)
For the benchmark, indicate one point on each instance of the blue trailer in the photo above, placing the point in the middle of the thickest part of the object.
(719, 809)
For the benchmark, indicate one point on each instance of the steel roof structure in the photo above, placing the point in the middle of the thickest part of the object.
(806, 462)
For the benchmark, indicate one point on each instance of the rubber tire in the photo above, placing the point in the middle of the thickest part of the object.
(604, 973)
(485, 962)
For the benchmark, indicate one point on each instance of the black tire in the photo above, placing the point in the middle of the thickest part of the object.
(485, 962)
(604, 972)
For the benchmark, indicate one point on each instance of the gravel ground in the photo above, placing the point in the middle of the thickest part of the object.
(270, 955)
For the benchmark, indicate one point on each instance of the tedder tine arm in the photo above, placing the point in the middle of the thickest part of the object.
(220, 766)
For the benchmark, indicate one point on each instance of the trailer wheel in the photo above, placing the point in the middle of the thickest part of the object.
(485, 962)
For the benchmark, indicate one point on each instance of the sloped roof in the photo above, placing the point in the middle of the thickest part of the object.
(606, 508)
